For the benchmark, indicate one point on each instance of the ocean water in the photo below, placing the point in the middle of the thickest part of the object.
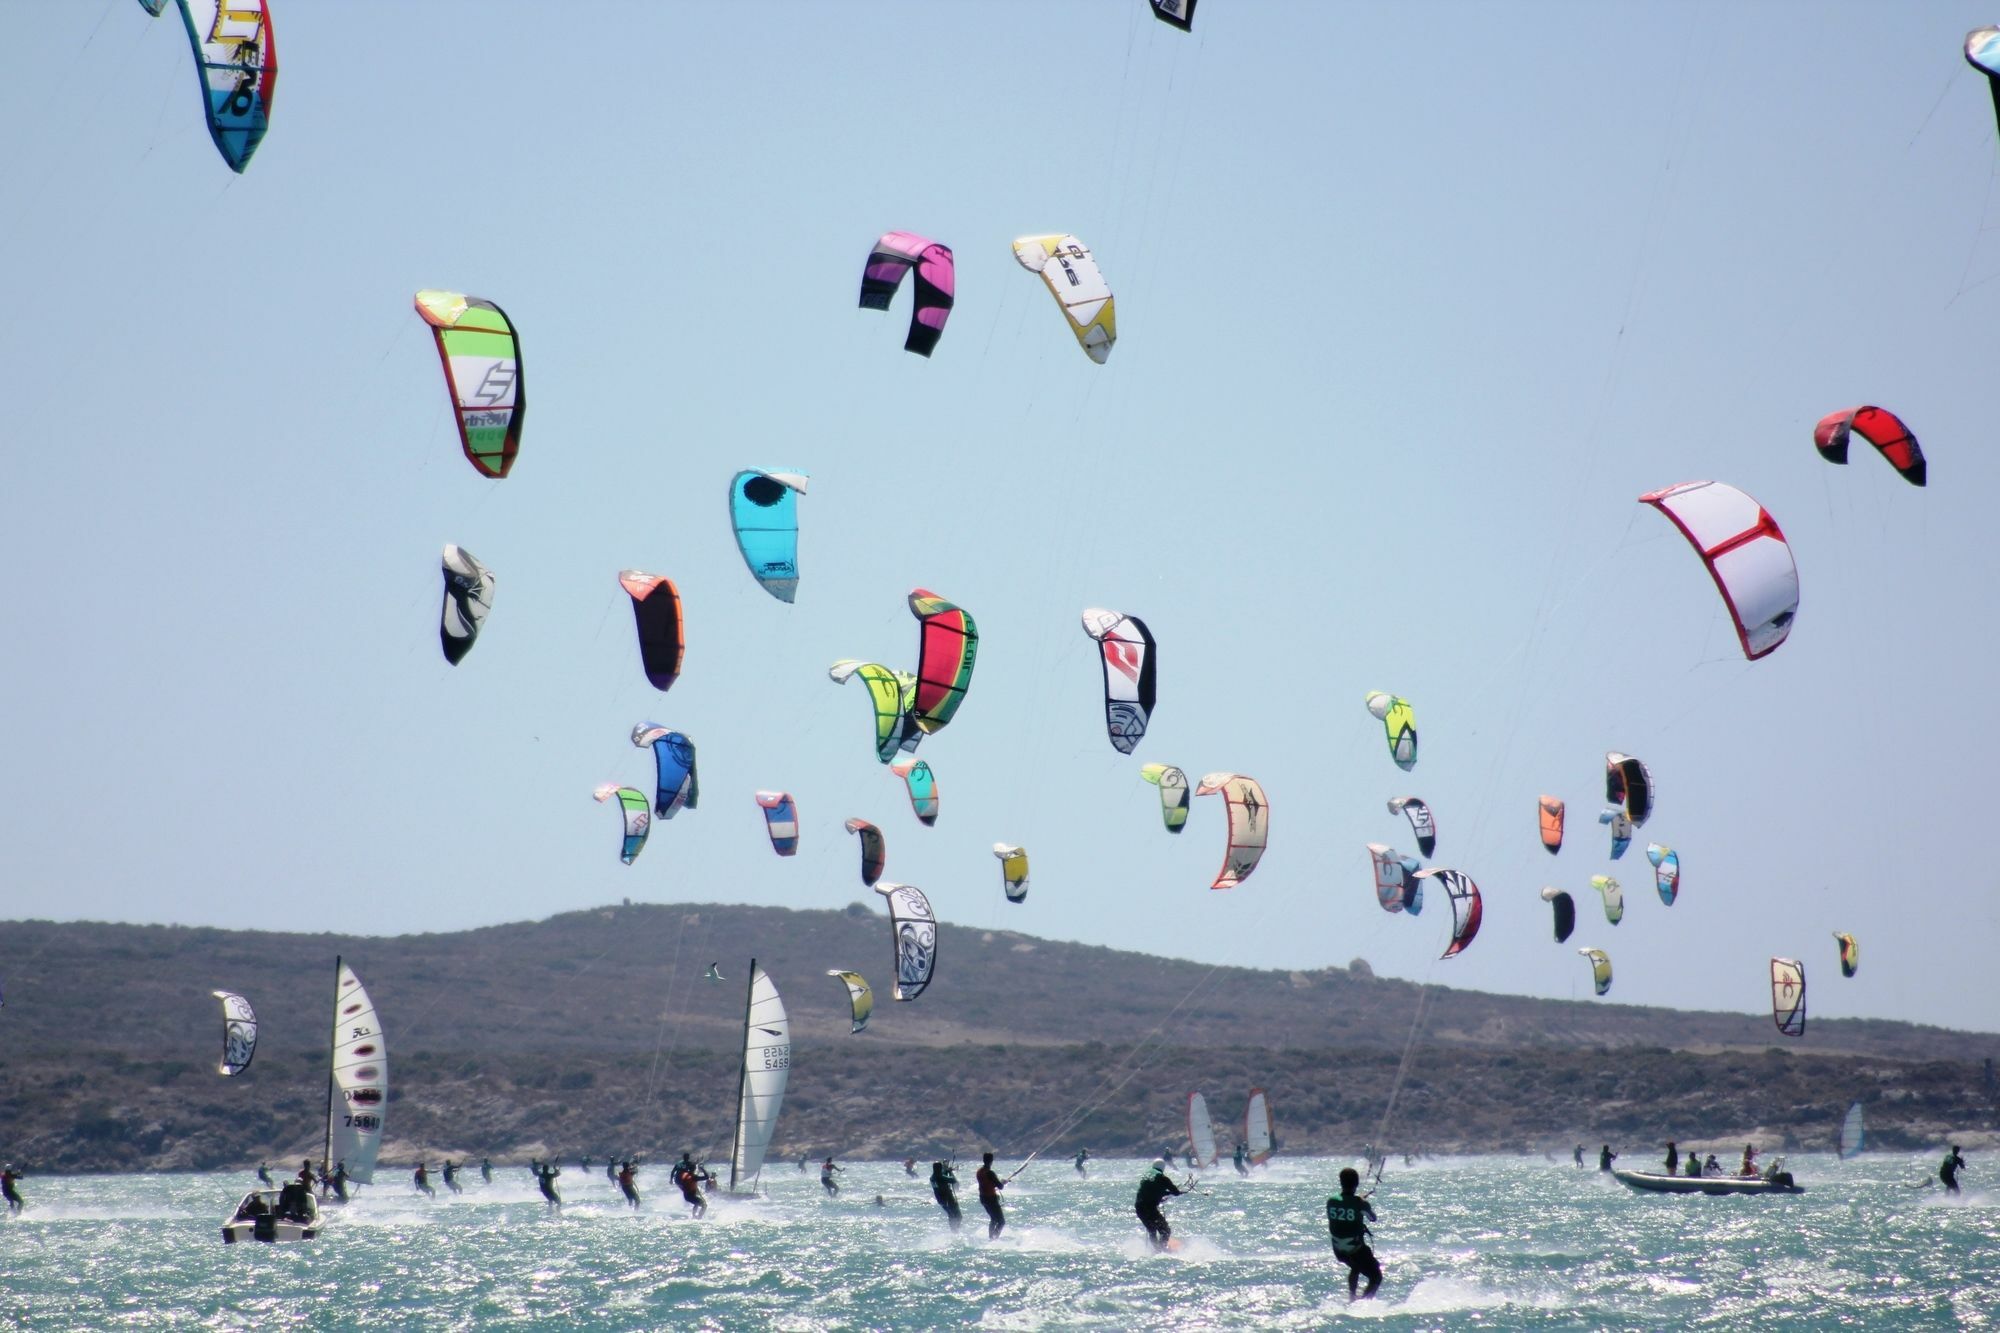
(1479, 1242)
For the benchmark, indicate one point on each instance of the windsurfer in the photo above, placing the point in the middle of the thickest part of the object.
(1947, 1170)
(1154, 1187)
(944, 1183)
(827, 1172)
(1347, 1217)
(990, 1186)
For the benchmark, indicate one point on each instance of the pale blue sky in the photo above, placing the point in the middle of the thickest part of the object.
(1413, 301)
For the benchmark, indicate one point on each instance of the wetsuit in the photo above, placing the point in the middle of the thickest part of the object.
(1242, 1161)
(451, 1177)
(1082, 1156)
(8, 1179)
(1948, 1171)
(486, 1169)
(1347, 1219)
(826, 1180)
(943, 1182)
(990, 1186)
(1604, 1158)
(689, 1180)
(1673, 1159)
(423, 1179)
(264, 1174)
(1152, 1190)
(628, 1176)
(545, 1176)
(1579, 1154)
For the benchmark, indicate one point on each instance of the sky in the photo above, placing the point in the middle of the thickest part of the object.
(1413, 301)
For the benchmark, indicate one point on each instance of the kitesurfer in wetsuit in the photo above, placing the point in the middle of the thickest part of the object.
(689, 1177)
(1673, 1158)
(1347, 1217)
(9, 1178)
(586, 1165)
(1242, 1160)
(803, 1158)
(486, 1169)
(422, 1176)
(628, 1176)
(1082, 1156)
(909, 1166)
(827, 1171)
(1154, 1187)
(264, 1174)
(545, 1176)
(1949, 1168)
(1579, 1154)
(990, 1186)
(944, 1181)
(611, 1171)
(1605, 1157)
(339, 1180)
(451, 1177)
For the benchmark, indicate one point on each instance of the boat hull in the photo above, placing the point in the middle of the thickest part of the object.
(1654, 1183)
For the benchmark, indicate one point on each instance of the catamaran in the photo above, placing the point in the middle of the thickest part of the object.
(760, 1087)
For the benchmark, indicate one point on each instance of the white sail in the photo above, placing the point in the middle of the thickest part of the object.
(767, 1063)
(360, 1084)
(1200, 1132)
(1853, 1135)
(1257, 1127)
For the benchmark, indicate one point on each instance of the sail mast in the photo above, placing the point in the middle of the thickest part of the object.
(742, 1075)
(333, 1038)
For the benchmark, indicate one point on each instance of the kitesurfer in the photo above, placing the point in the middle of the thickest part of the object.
(545, 1176)
(1673, 1158)
(486, 1170)
(990, 1186)
(1579, 1154)
(264, 1174)
(827, 1171)
(689, 1178)
(944, 1183)
(1242, 1159)
(1605, 1157)
(339, 1180)
(627, 1178)
(803, 1158)
(1082, 1156)
(1749, 1167)
(451, 1177)
(422, 1176)
(1154, 1187)
(1347, 1217)
(9, 1178)
(611, 1171)
(1947, 1170)
(909, 1166)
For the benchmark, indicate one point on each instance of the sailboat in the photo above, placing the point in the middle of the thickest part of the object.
(1257, 1127)
(357, 1086)
(760, 1088)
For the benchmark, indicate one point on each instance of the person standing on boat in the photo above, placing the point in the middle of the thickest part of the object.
(1154, 1187)
(990, 1186)
(827, 1171)
(305, 1176)
(1347, 1217)
(1694, 1164)
(944, 1184)
(9, 1178)
(1749, 1161)
(451, 1177)
(1605, 1157)
(422, 1177)
(1948, 1170)
(486, 1169)
(1673, 1158)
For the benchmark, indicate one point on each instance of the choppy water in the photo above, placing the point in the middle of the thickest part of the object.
(1489, 1242)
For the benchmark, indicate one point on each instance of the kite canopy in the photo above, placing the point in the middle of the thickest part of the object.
(1746, 555)
(947, 645)
(859, 998)
(1396, 886)
(656, 610)
(1421, 821)
(1666, 871)
(1249, 825)
(238, 57)
(1621, 830)
(239, 1033)
(1850, 953)
(1179, 13)
(1881, 428)
(677, 785)
(1130, 663)
(1565, 909)
(764, 510)
(874, 852)
(913, 930)
(482, 373)
(1072, 275)
(1614, 897)
(1399, 725)
(1982, 52)
(1629, 784)
(1550, 809)
(638, 821)
(468, 596)
(896, 254)
(781, 821)
(1173, 785)
(1788, 996)
(153, 7)
(922, 783)
(1600, 968)
(1465, 906)
(1013, 871)
(892, 694)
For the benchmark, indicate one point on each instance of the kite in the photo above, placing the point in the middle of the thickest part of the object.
(1614, 897)
(1249, 825)
(1850, 953)
(781, 821)
(238, 57)
(638, 821)
(1399, 724)
(1130, 661)
(1628, 783)
(677, 786)
(656, 610)
(1881, 428)
(859, 998)
(482, 373)
(1465, 906)
(1621, 830)
(1396, 886)
(1173, 785)
(892, 693)
(1746, 555)
(239, 1033)
(1666, 871)
(1600, 968)
(1013, 871)
(1175, 13)
(913, 931)
(874, 852)
(468, 596)
(764, 509)
(154, 7)
(917, 776)
(894, 255)
(1551, 811)
(1421, 822)
(1565, 908)
(1788, 996)
(1079, 287)
(1982, 52)
(947, 644)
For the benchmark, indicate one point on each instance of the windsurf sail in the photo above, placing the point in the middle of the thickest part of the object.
(764, 511)
(859, 998)
(1788, 996)
(760, 1090)
(1422, 822)
(1399, 725)
(1013, 871)
(931, 290)
(781, 821)
(923, 788)
(1666, 871)
(358, 1084)
(1257, 1135)
(892, 695)
(239, 1033)
(1565, 911)
(482, 373)
(656, 610)
(1850, 953)
(1074, 279)
(1881, 428)
(676, 786)
(1200, 1131)
(874, 851)
(638, 819)
(1600, 968)
(1249, 825)
(1614, 897)
(468, 596)
(947, 646)
(1173, 785)
(238, 57)
(913, 932)
(1131, 663)
(1466, 908)
(1746, 555)
(1853, 1133)
(1550, 810)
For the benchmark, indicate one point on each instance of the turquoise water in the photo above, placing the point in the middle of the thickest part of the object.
(1484, 1242)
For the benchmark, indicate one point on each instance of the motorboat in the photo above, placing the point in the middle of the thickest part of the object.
(274, 1216)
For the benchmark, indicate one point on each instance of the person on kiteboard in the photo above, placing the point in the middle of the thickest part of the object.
(9, 1178)
(545, 1177)
(1154, 1187)
(264, 1174)
(1347, 1217)
(1082, 1156)
(451, 1177)
(486, 1170)
(1579, 1154)
(689, 1177)
(944, 1183)
(910, 1166)
(990, 1186)
(628, 1176)
(1949, 1168)
(422, 1177)
(1605, 1157)
(1242, 1159)
(827, 1171)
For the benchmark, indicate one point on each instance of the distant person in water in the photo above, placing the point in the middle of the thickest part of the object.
(1673, 1158)
(1605, 1157)
(827, 1172)
(944, 1184)
(990, 1186)
(486, 1170)
(264, 1174)
(451, 1177)
(1154, 1187)
(1949, 1168)
(1242, 1159)
(1749, 1167)
(1082, 1156)
(422, 1177)
(1579, 1154)
(1347, 1217)
(628, 1178)
(9, 1178)
(545, 1176)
